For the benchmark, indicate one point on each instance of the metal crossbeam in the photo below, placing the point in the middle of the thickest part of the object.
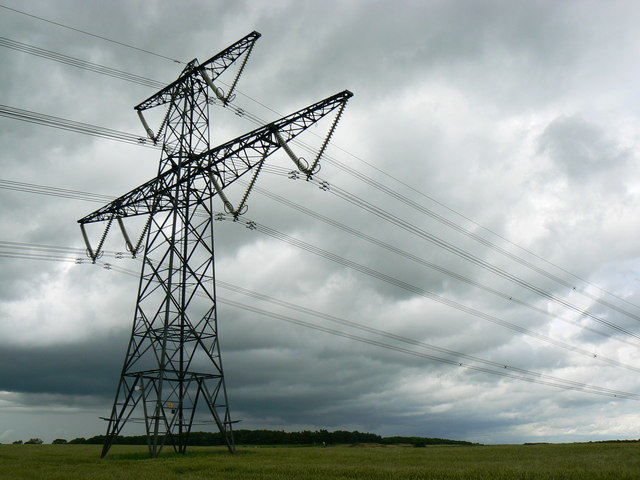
(213, 67)
(227, 162)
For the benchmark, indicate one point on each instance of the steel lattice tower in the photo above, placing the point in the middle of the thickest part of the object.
(173, 365)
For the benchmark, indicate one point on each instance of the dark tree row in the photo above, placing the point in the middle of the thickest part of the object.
(280, 437)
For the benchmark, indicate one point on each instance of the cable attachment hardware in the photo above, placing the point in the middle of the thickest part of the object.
(242, 208)
(231, 96)
(228, 207)
(165, 120)
(251, 225)
(142, 234)
(239, 211)
(315, 168)
(324, 186)
(146, 126)
(133, 250)
(217, 90)
(219, 217)
(94, 255)
(300, 162)
(294, 175)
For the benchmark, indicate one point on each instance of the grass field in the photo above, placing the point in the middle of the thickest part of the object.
(565, 461)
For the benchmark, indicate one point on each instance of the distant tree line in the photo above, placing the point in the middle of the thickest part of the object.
(280, 437)
(423, 441)
(31, 441)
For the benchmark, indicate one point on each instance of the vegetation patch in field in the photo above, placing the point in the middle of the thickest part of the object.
(593, 461)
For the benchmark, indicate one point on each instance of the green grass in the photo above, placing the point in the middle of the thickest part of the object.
(617, 461)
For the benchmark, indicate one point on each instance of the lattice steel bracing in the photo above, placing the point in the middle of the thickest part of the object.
(173, 367)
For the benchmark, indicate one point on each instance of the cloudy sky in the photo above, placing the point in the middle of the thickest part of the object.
(492, 144)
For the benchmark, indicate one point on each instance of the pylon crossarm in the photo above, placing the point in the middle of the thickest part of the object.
(227, 162)
(231, 160)
(212, 67)
(138, 201)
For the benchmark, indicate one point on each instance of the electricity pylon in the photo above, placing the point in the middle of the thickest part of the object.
(173, 366)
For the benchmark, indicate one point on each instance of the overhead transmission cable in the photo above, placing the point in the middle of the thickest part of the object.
(75, 62)
(411, 228)
(54, 191)
(65, 124)
(122, 136)
(503, 370)
(152, 83)
(476, 224)
(421, 291)
(460, 229)
(79, 195)
(84, 32)
(341, 193)
(362, 177)
(421, 261)
(140, 50)
(563, 384)
(73, 126)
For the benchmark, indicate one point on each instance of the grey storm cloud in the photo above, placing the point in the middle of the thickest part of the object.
(583, 151)
(510, 122)
(87, 368)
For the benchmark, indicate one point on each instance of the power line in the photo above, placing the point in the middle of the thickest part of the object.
(475, 223)
(368, 271)
(75, 62)
(121, 75)
(379, 186)
(83, 196)
(57, 122)
(504, 373)
(411, 228)
(423, 262)
(480, 239)
(122, 136)
(84, 32)
(53, 191)
(407, 226)
(380, 332)
(73, 126)
(421, 291)
(78, 195)
(345, 195)
(500, 369)
(31, 188)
